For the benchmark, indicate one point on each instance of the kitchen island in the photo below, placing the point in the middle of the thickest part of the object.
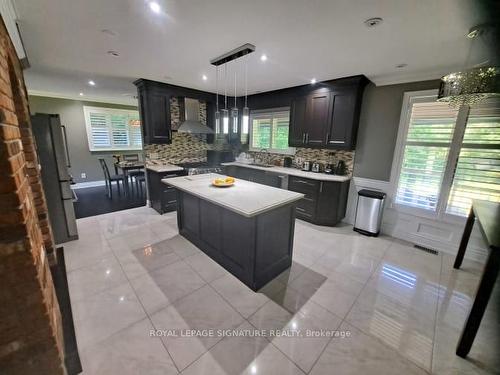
(247, 228)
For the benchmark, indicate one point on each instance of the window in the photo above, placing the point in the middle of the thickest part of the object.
(448, 156)
(111, 129)
(269, 130)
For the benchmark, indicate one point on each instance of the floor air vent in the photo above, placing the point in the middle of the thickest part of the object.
(426, 249)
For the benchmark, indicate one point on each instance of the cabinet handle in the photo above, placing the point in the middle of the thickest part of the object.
(327, 136)
(336, 141)
(303, 137)
(304, 182)
(300, 209)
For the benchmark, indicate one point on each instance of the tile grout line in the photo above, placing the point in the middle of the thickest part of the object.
(436, 315)
(343, 319)
(145, 311)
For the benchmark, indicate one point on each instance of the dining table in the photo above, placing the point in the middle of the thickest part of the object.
(126, 167)
(487, 217)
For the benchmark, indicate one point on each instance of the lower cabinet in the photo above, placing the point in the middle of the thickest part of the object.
(163, 198)
(324, 202)
(256, 175)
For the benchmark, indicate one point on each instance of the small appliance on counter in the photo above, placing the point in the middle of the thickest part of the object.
(287, 162)
(341, 168)
(316, 167)
(328, 169)
(306, 166)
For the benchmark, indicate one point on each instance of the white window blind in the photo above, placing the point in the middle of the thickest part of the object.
(269, 130)
(477, 173)
(111, 129)
(428, 141)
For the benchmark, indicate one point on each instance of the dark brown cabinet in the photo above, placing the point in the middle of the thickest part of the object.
(318, 113)
(255, 175)
(163, 198)
(328, 117)
(297, 133)
(154, 108)
(324, 202)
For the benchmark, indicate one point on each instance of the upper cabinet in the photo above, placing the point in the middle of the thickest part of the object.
(329, 116)
(154, 108)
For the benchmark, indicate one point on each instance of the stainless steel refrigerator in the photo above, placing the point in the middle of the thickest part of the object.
(53, 154)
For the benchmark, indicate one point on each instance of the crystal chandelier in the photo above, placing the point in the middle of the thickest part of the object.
(471, 85)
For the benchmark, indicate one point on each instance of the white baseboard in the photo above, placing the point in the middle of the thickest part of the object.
(82, 185)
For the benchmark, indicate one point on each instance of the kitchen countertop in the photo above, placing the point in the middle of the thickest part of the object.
(294, 172)
(244, 197)
(160, 168)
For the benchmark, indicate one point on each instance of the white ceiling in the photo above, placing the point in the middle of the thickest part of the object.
(324, 39)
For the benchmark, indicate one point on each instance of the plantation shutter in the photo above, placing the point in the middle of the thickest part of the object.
(111, 129)
(99, 129)
(269, 130)
(477, 174)
(428, 141)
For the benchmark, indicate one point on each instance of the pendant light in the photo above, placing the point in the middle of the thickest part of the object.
(234, 110)
(246, 110)
(225, 113)
(217, 113)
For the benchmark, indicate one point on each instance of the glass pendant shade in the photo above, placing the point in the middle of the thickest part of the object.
(217, 122)
(245, 119)
(234, 120)
(225, 121)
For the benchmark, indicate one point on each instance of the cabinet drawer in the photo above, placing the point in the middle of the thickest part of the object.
(306, 206)
(304, 186)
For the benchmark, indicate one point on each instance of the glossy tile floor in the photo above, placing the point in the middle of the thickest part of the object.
(144, 299)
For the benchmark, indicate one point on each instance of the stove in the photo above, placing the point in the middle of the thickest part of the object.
(201, 168)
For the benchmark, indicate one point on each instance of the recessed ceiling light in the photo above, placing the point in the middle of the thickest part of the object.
(263, 57)
(155, 7)
(81, 94)
(113, 53)
(372, 22)
(400, 66)
(91, 83)
(313, 81)
(204, 77)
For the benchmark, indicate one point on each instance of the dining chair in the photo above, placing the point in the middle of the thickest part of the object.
(109, 179)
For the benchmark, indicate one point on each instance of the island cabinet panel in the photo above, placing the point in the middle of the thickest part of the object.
(274, 247)
(254, 249)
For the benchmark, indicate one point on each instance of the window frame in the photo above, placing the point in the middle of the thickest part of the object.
(271, 112)
(88, 128)
(455, 146)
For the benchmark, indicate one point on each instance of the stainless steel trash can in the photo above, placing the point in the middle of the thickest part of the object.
(369, 212)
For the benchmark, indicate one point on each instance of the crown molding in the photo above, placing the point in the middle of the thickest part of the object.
(110, 100)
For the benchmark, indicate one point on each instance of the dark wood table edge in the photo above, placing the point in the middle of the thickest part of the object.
(483, 294)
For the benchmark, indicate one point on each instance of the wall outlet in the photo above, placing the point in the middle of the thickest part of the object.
(83, 175)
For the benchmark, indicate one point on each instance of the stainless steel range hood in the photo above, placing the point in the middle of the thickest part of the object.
(192, 122)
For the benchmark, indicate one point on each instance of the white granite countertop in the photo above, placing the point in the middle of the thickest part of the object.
(295, 172)
(244, 197)
(160, 168)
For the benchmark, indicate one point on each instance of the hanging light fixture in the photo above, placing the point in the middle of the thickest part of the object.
(234, 110)
(225, 113)
(472, 84)
(246, 110)
(217, 113)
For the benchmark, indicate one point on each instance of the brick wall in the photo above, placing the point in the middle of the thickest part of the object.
(30, 322)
